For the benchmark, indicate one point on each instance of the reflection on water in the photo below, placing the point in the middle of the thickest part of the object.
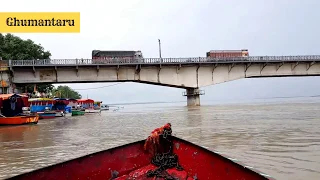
(282, 140)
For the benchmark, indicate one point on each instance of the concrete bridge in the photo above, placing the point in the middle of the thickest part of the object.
(188, 73)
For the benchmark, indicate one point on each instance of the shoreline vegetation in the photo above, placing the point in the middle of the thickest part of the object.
(13, 47)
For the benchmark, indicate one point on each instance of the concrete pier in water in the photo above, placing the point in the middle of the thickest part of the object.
(193, 96)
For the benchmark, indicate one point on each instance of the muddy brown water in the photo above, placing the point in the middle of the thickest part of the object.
(281, 140)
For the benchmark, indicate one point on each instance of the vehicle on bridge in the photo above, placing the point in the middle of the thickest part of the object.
(227, 54)
(99, 57)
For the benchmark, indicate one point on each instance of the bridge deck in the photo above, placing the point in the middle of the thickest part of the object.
(163, 61)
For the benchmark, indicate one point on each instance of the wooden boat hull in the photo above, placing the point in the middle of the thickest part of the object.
(77, 112)
(129, 161)
(46, 115)
(19, 120)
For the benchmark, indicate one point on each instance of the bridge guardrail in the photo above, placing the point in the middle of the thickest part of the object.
(115, 61)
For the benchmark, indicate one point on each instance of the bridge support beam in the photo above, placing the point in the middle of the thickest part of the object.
(193, 96)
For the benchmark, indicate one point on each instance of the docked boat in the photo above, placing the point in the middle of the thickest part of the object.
(89, 105)
(12, 110)
(60, 106)
(19, 120)
(77, 112)
(104, 107)
(67, 111)
(91, 110)
(47, 114)
(97, 104)
(160, 156)
(40, 104)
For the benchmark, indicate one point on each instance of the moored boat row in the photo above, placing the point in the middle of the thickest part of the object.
(18, 109)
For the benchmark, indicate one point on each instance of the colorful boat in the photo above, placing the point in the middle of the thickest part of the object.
(19, 120)
(67, 111)
(76, 112)
(39, 105)
(47, 115)
(59, 106)
(97, 104)
(92, 110)
(104, 107)
(171, 158)
(11, 106)
(86, 104)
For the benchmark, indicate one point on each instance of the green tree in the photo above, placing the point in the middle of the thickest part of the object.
(65, 92)
(14, 48)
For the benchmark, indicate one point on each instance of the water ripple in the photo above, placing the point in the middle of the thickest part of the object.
(281, 140)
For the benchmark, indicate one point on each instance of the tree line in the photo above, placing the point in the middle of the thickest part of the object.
(14, 48)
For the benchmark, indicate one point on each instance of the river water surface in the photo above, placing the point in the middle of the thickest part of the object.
(279, 139)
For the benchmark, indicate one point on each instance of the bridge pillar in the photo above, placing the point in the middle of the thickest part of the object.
(193, 96)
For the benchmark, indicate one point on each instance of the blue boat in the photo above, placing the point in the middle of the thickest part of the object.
(46, 115)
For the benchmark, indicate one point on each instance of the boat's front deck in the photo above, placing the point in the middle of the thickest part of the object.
(141, 174)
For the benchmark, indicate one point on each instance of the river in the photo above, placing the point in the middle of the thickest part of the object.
(281, 138)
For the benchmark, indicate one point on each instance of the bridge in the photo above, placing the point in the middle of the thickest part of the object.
(187, 73)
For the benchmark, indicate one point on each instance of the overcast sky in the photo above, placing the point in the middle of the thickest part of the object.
(186, 28)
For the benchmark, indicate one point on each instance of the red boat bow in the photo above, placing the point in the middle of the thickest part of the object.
(131, 161)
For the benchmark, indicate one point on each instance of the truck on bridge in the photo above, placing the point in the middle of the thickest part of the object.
(99, 56)
(222, 54)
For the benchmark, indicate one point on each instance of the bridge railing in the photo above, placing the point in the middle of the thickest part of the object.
(48, 62)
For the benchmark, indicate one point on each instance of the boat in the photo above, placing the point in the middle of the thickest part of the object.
(95, 108)
(91, 110)
(12, 110)
(60, 106)
(47, 114)
(87, 105)
(77, 112)
(97, 104)
(170, 158)
(19, 120)
(104, 107)
(67, 111)
(40, 105)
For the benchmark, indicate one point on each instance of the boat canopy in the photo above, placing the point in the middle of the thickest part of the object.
(11, 104)
(61, 101)
(8, 96)
(86, 101)
(41, 101)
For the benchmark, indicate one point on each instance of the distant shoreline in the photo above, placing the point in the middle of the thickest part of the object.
(163, 102)
(159, 102)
